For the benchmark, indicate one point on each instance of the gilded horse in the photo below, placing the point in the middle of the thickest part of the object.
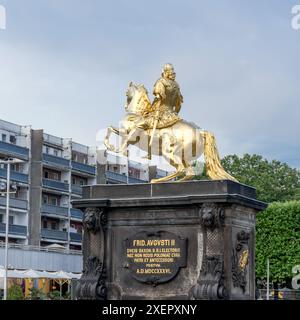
(180, 144)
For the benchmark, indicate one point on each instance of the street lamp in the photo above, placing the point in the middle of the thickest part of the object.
(8, 162)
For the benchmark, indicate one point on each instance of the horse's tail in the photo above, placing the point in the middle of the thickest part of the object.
(214, 168)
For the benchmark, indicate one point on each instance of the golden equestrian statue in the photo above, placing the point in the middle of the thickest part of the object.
(157, 129)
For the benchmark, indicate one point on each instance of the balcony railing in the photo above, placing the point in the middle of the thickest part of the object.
(118, 177)
(135, 180)
(12, 127)
(80, 148)
(54, 234)
(14, 203)
(57, 161)
(76, 213)
(60, 211)
(85, 168)
(57, 185)
(40, 249)
(14, 229)
(76, 189)
(14, 176)
(121, 178)
(14, 150)
(75, 237)
(52, 139)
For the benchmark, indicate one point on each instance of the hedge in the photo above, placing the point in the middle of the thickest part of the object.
(278, 238)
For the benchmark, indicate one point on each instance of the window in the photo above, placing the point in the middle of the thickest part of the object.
(12, 139)
(73, 180)
(11, 220)
(45, 224)
(54, 201)
(47, 150)
(55, 152)
(3, 137)
(54, 226)
(45, 199)
(53, 175)
(16, 167)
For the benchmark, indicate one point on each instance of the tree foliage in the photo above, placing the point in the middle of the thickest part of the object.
(274, 180)
(15, 292)
(278, 238)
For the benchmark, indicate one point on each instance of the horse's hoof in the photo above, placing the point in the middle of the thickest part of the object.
(186, 178)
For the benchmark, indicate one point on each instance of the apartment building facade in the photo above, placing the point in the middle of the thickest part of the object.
(51, 174)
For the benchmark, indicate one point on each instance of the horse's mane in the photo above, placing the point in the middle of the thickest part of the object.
(142, 103)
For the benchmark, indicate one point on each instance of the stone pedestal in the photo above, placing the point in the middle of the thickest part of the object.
(189, 240)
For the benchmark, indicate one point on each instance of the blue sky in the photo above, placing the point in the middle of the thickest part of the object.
(65, 66)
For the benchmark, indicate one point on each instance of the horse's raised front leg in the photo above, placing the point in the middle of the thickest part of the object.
(109, 146)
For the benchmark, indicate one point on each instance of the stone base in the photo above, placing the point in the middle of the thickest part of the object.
(189, 240)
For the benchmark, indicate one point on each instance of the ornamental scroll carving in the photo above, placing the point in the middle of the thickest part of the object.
(210, 284)
(240, 260)
(92, 284)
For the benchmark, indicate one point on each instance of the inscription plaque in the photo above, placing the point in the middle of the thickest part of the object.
(155, 257)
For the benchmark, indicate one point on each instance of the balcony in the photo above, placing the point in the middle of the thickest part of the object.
(59, 211)
(14, 176)
(54, 234)
(56, 185)
(25, 257)
(56, 161)
(57, 141)
(14, 150)
(14, 229)
(84, 168)
(117, 177)
(75, 237)
(121, 178)
(76, 213)
(14, 203)
(77, 189)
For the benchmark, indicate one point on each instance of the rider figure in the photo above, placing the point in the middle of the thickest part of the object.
(167, 101)
(164, 110)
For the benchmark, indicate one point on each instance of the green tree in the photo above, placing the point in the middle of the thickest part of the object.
(278, 238)
(15, 292)
(37, 294)
(54, 295)
(273, 180)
